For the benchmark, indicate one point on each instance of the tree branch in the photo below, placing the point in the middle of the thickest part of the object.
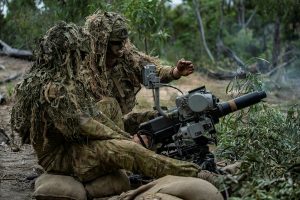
(226, 50)
(201, 30)
(5, 49)
(250, 18)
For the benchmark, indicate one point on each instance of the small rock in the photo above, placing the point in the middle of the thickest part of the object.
(2, 67)
(2, 99)
(37, 170)
(4, 139)
(14, 148)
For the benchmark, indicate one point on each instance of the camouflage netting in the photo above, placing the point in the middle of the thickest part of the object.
(103, 28)
(58, 56)
(68, 77)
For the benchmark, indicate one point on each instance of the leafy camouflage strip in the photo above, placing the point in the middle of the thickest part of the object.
(127, 74)
(57, 57)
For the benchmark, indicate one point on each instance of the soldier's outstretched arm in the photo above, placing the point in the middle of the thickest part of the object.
(182, 68)
(165, 72)
(95, 130)
(114, 154)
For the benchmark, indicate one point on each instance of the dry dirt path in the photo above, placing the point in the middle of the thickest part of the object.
(16, 166)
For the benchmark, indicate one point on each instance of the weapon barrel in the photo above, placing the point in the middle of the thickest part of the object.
(241, 102)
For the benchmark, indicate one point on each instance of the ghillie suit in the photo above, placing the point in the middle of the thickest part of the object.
(75, 129)
(58, 55)
(123, 81)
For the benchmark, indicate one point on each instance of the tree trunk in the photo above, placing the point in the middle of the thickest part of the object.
(241, 13)
(201, 30)
(146, 45)
(276, 42)
(220, 33)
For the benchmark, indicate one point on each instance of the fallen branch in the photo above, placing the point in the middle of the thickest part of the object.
(226, 50)
(11, 78)
(5, 49)
(275, 69)
(224, 75)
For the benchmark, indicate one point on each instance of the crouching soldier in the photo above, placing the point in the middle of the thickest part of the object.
(65, 108)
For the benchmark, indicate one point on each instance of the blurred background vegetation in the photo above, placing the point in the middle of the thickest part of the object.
(209, 32)
(258, 36)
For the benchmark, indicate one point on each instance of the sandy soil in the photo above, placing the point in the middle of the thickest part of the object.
(18, 164)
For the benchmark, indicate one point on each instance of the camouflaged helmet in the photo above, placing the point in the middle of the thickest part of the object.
(119, 30)
(105, 27)
(64, 37)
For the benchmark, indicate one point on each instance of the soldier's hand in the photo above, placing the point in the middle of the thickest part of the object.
(211, 177)
(183, 68)
(143, 138)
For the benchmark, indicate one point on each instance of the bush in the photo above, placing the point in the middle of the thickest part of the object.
(243, 43)
(267, 140)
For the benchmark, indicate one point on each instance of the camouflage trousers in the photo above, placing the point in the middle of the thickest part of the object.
(100, 157)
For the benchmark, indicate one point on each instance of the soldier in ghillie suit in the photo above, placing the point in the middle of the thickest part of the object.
(65, 107)
(120, 65)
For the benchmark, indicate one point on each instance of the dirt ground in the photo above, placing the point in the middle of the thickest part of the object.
(18, 164)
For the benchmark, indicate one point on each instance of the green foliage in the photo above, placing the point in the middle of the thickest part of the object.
(28, 22)
(184, 41)
(244, 43)
(242, 86)
(159, 29)
(268, 142)
(10, 89)
(20, 23)
(145, 17)
(265, 138)
(69, 11)
(282, 8)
